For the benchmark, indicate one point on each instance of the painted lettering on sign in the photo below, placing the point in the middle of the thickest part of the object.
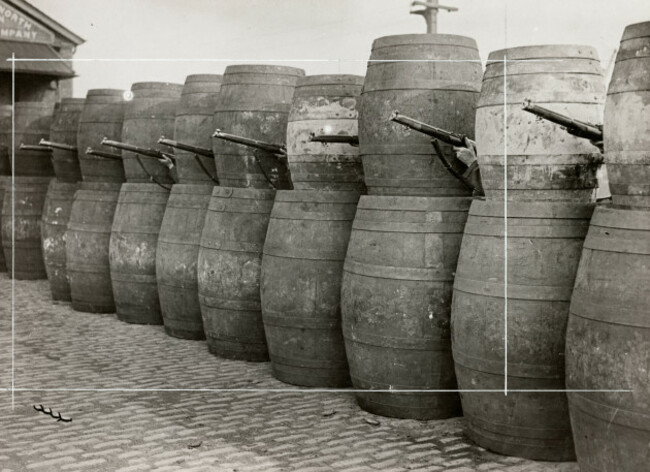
(15, 26)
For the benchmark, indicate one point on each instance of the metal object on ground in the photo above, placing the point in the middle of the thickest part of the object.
(544, 244)
(396, 301)
(300, 286)
(608, 343)
(228, 269)
(627, 120)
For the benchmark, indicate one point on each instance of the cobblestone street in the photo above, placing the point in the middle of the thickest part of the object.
(120, 429)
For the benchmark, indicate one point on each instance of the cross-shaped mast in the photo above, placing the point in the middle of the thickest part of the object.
(430, 13)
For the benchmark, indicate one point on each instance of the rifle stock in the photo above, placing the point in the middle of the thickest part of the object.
(580, 129)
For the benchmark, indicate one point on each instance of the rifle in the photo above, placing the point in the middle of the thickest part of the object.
(34, 147)
(581, 129)
(448, 137)
(155, 153)
(197, 151)
(334, 138)
(108, 155)
(254, 143)
(54, 145)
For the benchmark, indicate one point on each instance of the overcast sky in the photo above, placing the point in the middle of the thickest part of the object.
(339, 32)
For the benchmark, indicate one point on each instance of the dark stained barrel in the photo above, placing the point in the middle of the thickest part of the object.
(5, 139)
(627, 122)
(254, 102)
(32, 123)
(87, 244)
(132, 252)
(300, 286)
(65, 125)
(229, 272)
(325, 104)
(54, 224)
(102, 117)
(176, 259)
(543, 246)
(608, 344)
(148, 116)
(193, 125)
(396, 300)
(5, 182)
(544, 161)
(29, 197)
(399, 161)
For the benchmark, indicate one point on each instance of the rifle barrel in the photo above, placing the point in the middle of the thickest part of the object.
(335, 138)
(577, 128)
(107, 155)
(254, 143)
(55, 145)
(136, 149)
(438, 133)
(186, 147)
(34, 147)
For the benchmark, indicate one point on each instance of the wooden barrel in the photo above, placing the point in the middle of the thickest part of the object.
(544, 161)
(28, 200)
(102, 117)
(176, 258)
(54, 224)
(254, 102)
(300, 286)
(87, 243)
(544, 245)
(65, 125)
(193, 125)
(229, 272)
(396, 301)
(150, 115)
(399, 161)
(325, 104)
(132, 252)
(626, 125)
(32, 123)
(5, 139)
(5, 182)
(608, 344)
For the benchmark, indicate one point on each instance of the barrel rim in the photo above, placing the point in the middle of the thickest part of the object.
(414, 203)
(264, 69)
(546, 51)
(425, 38)
(533, 209)
(248, 193)
(73, 101)
(142, 187)
(156, 85)
(330, 79)
(321, 196)
(203, 78)
(636, 30)
(610, 216)
(105, 92)
(39, 105)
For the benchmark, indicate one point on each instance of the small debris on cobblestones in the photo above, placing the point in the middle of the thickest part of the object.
(329, 413)
(195, 446)
(372, 421)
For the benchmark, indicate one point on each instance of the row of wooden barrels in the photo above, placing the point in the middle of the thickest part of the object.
(338, 288)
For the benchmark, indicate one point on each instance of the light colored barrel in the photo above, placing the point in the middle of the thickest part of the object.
(176, 259)
(254, 102)
(87, 244)
(627, 120)
(420, 76)
(132, 252)
(54, 225)
(148, 116)
(300, 286)
(396, 301)
(608, 344)
(325, 105)
(102, 117)
(543, 246)
(229, 264)
(544, 161)
(65, 126)
(193, 125)
(26, 207)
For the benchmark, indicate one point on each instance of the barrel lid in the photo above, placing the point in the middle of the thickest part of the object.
(330, 79)
(545, 51)
(105, 92)
(263, 69)
(402, 203)
(636, 30)
(157, 86)
(549, 209)
(211, 78)
(322, 196)
(428, 39)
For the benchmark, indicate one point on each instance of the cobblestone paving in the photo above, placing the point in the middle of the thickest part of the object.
(235, 431)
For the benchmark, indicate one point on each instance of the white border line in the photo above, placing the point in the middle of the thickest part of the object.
(505, 226)
(13, 228)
